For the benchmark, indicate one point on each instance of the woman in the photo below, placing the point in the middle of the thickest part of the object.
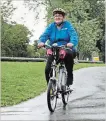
(62, 33)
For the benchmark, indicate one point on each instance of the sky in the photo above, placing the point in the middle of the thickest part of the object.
(22, 15)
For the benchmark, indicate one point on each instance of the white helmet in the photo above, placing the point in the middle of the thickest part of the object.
(60, 11)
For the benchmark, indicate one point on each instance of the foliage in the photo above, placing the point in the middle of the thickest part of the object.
(88, 35)
(33, 51)
(98, 11)
(7, 9)
(30, 51)
(14, 39)
(42, 52)
(35, 45)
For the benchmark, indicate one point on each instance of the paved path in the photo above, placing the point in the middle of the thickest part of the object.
(86, 103)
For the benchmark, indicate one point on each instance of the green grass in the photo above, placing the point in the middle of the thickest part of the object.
(24, 80)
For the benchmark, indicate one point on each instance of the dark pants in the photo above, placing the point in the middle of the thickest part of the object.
(69, 62)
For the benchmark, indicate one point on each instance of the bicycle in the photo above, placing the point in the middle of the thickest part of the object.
(58, 79)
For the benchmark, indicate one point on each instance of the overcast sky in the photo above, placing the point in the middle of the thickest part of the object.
(23, 16)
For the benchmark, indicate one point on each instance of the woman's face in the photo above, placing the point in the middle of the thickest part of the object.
(58, 18)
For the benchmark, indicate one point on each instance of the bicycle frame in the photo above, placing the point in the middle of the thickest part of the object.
(61, 71)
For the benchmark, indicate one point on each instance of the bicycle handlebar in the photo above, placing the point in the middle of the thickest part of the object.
(55, 45)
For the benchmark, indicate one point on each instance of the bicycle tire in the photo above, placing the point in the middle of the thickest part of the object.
(50, 87)
(65, 96)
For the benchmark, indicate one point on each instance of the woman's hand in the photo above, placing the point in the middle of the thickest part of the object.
(41, 44)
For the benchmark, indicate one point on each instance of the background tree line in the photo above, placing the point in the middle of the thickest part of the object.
(87, 16)
(15, 37)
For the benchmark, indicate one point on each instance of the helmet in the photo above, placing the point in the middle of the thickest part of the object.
(60, 11)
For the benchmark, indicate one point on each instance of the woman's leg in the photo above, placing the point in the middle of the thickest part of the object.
(69, 62)
(48, 68)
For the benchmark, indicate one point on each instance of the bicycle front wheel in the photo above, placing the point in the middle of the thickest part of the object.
(65, 96)
(51, 95)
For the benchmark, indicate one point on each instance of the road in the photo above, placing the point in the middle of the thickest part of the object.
(86, 103)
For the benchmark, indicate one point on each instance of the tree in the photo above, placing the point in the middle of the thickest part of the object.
(35, 45)
(87, 42)
(7, 9)
(30, 51)
(14, 39)
(42, 52)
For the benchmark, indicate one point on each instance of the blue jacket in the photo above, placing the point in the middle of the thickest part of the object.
(66, 34)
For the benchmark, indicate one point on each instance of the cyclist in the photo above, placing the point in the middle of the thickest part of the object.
(62, 33)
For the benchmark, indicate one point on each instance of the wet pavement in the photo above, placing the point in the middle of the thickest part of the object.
(86, 103)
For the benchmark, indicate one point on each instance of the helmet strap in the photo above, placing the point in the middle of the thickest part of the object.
(59, 24)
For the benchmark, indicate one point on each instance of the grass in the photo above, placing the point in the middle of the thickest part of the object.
(24, 80)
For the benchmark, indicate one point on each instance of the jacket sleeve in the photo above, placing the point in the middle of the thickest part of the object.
(46, 34)
(73, 35)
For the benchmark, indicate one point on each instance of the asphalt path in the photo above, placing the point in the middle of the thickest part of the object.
(86, 103)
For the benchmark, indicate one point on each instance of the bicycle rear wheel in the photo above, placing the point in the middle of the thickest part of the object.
(52, 95)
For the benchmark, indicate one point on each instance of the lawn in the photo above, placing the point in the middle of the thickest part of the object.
(21, 81)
